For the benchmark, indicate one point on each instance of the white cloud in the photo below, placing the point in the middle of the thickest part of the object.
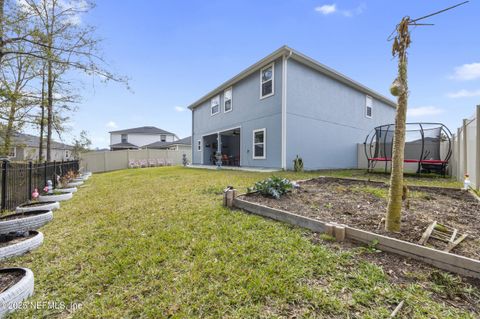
(180, 109)
(111, 124)
(424, 111)
(327, 9)
(463, 93)
(467, 72)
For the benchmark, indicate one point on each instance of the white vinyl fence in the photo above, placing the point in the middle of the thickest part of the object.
(115, 160)
(466, 150)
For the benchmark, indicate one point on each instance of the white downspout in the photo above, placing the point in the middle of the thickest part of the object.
(284, 110)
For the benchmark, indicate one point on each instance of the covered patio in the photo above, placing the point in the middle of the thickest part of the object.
(227, 143)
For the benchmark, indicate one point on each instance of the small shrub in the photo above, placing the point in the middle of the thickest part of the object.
(272, 187)
(298, 164)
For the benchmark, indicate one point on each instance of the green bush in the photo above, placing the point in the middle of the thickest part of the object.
(298, 164)
(272, 187)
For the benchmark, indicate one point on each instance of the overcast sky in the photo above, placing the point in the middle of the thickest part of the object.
(176, 51)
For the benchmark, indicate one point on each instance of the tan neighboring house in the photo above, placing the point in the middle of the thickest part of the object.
(138, 137)
(25, 148)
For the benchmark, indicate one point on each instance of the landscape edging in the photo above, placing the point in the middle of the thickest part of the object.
(444, 260)
(12, 298)
(22, 247)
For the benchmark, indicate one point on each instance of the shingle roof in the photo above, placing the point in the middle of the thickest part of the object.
(123, 145)
(27, 140)
(162, 145)
(300, 57)
(143, 130)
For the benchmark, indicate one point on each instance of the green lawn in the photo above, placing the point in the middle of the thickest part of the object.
(156, 242)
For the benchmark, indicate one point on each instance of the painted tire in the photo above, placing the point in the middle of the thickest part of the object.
(66, 190)
(74, 184)
(48, 206)
(22, 247)
(78, 179)
(55, 198)
(31, 221)
(12, 298)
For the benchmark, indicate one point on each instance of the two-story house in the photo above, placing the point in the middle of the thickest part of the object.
(136, 138)
(286, 104)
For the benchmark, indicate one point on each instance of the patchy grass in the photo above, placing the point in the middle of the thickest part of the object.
(156, 242)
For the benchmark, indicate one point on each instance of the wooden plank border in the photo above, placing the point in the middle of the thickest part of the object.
(443, 260)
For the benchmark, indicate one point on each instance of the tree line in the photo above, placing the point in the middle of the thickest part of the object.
(45, 47)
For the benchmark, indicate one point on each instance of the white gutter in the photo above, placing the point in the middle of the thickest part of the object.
(284, 109)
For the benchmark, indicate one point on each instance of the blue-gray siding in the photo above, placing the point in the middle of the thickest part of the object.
(326, 119)
(249, 113)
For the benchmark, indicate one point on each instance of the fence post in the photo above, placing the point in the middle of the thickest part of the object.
(477, 160)
(105, 161)
(30, 175)
(465, 145)
(4, 184)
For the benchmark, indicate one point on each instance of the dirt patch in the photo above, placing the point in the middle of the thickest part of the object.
(10, 277)
(362, 204)
(10, 239)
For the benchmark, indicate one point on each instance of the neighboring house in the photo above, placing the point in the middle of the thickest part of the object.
(285, 105)
(136, 138)
(182, 144)
(25, 148)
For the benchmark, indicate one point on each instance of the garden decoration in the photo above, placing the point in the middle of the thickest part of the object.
(466, 182)
(298, 164)
(184, 160)
(218, 158)
(35, 194)
(443, 233)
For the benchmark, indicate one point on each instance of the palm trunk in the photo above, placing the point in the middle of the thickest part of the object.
(394, 210)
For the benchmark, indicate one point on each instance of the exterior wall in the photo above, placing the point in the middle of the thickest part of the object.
(326, 119)
(140, 139)
(31, 154)
(249, 113)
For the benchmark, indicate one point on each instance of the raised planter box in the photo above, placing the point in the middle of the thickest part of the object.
(20, 248)
(66, 190)
(30, 207)
(11, 299)
(447, 261)
(74, 184)
(22, 222)
(55, 198)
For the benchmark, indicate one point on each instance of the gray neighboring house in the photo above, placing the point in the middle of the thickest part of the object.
(25, 148)
(287, 104)
(182, 144)
(138, 137)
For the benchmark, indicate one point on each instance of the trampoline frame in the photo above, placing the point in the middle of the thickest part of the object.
(439, 165)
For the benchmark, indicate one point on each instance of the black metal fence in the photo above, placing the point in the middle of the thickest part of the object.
(18, 180)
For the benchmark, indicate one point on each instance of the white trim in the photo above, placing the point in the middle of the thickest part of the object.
(199, 145)
(368, 98)
(218, 105)
(271, 65)
(231, 100)
(264, 130)
(284, 111)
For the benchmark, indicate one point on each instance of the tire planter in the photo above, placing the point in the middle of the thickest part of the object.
(78, 179)
(74, 184)
(28, 221)
(66, 190)
(30, 207)
(12, 298)
(20, 248)
(55, 198)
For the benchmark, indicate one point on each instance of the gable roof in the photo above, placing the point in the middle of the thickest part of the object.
(143, 130)
(27, 140)
(162, 145)
(300, 57)
(125, 145)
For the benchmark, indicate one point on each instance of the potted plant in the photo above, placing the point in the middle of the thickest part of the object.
(16, 285)
(19, 243)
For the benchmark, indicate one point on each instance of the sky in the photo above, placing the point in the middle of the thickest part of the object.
(175, 51)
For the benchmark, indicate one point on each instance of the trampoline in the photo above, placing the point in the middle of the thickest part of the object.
(427, 144)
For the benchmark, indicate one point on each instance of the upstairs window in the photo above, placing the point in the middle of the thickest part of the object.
(368, 107)
(124, 138)
(215, 105)
(13, 152)
(266, 81)
(163, 138)
(259, 145)
(227, 100)
(199, 145)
